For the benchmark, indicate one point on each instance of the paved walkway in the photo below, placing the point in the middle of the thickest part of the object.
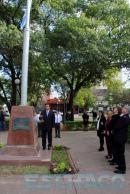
(95, 174)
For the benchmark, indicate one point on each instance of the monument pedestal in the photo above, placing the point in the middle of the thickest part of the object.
(22, 143)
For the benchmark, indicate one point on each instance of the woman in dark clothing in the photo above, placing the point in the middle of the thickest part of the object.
(100, 130)
(108, 134)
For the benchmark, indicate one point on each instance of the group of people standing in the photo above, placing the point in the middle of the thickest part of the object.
(113, 127)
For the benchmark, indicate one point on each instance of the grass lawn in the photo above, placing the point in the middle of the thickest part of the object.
(22, 170)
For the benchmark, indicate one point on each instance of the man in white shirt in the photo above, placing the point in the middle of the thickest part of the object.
(58, 119)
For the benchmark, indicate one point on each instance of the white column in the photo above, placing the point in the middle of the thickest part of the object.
(24, 81)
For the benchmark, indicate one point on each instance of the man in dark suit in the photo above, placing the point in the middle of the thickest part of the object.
(48, 118)
(120, 138)
(115, 117)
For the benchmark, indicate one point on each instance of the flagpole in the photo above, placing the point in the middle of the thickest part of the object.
(25, 58)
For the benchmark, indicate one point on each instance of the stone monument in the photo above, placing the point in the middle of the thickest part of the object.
(22, 143)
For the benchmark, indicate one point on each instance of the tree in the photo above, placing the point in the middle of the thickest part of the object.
(85, 98)
(10, 55)
(115, 15)
(115, 86)
(11, 40)
(81, 46)
(70, 56)
(76, 40)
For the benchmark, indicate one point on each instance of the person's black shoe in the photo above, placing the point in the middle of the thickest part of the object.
(120, 171)
(55, 136)
(59, 137)
(117, 167)
(111, 160)
(44, 148)
(113, 163)
(101, 149)
(49, 147)
(108, 157)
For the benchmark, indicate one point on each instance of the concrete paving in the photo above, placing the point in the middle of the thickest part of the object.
(95, 174)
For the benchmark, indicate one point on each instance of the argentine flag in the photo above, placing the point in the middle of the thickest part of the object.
(23, 22)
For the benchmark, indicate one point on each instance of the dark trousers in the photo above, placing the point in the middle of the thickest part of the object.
(85, 124)
(101, 138)
(57, 130)
(109, 145)
(120, 149)
(114, 150)
(45, 134)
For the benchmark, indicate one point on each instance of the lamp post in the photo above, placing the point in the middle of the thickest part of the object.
(17, 82)
(24, 81)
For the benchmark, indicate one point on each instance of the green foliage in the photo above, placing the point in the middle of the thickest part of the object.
(84, 98)
(61, 167)
(75, 40)
(58, 147)
(78, 126)
(114, 85)
(74, 125)
(60, 161)
(113, 80)
(2, 145)
(115, 15)
(60, 156)
(81, 47)
(11, 42)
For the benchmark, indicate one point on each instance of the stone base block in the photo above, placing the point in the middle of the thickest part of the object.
(43, 158)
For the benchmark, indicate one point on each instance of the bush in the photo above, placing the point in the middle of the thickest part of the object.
(1, 145)
(61, 167)
(74, 125)
(58, 147)
(60, 161)
(78, 126)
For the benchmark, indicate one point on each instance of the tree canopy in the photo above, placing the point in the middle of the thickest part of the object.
(76, 40)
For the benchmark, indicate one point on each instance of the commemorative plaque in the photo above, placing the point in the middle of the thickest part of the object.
(21, 124)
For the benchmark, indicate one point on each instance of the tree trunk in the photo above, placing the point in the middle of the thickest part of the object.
(14, 93)
(70, 105)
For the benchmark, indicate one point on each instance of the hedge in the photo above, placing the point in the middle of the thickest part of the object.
(78, 126)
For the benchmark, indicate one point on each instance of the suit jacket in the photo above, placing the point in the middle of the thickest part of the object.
(48, 121)
(121, 129)
(85, 117)
(113, 123)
